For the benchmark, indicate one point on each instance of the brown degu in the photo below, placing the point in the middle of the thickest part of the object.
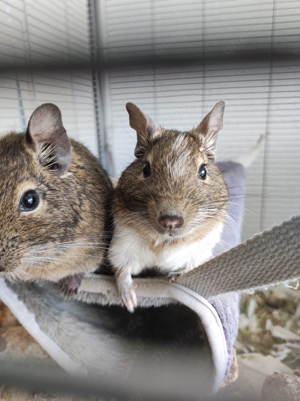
(54, 202)
(170, 204)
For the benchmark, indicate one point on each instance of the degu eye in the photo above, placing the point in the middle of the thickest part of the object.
(147, 170)
(29, 201)
(202, 172)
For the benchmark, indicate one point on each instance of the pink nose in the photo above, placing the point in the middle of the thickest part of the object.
(171, 222)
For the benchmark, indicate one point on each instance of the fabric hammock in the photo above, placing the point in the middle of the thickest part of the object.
(181, 337)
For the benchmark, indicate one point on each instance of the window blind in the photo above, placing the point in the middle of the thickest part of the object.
(261, 95)
(55, 32)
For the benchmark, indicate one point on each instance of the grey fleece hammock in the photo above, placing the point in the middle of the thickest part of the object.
(181, 337)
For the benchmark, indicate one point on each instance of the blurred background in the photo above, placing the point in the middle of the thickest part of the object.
(175, 60)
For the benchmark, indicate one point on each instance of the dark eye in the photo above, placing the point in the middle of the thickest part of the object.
(29, 201)
(202, 172)
(147, 170)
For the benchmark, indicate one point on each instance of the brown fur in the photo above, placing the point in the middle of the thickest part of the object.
(174, 189)
(65, 235)
(138, 202)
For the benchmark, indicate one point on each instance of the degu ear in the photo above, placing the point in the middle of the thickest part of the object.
(47, 137)
(208, 129)
(144, 127)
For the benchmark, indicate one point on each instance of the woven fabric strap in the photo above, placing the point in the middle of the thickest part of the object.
(268, 258)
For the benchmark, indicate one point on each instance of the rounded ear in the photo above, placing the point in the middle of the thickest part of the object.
(209, 127)
(47, 137)
(144, 127)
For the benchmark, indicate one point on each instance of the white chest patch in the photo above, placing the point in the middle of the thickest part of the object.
(129, 250)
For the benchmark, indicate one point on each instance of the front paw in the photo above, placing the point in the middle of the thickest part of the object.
(70, 285)
(128, 297)
(172, 277)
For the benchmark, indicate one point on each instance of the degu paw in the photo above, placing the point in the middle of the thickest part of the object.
(172, 277)
(129, 299)
(70, 285)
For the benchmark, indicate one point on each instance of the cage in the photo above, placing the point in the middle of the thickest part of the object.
(175, 60)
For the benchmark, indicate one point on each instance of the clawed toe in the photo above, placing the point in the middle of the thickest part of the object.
(129, 300)
(173, 277)
(70, 285)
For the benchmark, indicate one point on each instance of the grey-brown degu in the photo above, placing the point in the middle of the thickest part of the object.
(169, 205)
(54, 202)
